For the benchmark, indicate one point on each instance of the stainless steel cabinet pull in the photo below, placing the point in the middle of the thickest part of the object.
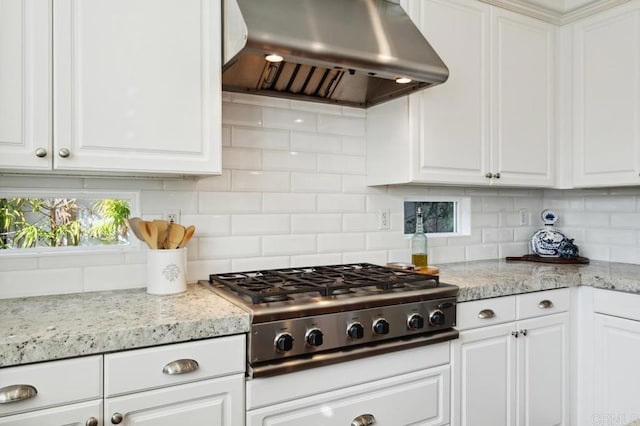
(15, 393)
(181, 366)
(515, 334)
(41, 152)
(486, 314)
(545, 304)
(523, 332)
(64, 153)
(497, 175)
(364, 420)
(489, 175)
(117, 418)
(91, 421)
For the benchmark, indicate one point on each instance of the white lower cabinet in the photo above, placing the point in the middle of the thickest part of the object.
(194, 383)
(514, 372)
(419, 398)
(217, 402)
(616, 347)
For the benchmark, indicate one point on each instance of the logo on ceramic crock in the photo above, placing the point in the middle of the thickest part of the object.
(171, 272)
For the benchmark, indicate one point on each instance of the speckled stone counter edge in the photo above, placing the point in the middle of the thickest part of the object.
(64, 326)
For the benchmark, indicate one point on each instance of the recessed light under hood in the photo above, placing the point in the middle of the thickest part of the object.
(347, 52)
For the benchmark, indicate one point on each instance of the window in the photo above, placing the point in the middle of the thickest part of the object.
(47, 221)
(441, 216)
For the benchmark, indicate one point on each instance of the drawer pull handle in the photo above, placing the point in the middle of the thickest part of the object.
(364, 420)
(15, 393)
(181, 366)
(486, 314)
(545, 304)
(91, 421)
(523, 332)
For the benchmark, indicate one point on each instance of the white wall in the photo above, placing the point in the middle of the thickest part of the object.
(292, 193)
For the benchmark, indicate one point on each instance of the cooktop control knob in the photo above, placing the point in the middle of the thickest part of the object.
(415, 322)
(355, 330)
(436, 318)
(314, 337)
(284, 342)
(381, 326)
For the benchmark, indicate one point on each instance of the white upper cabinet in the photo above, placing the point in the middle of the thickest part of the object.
(606, 125)
(25, 84)
(491, 122)
(136, 86)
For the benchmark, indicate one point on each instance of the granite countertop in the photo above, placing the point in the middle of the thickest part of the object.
(54, 327)
(495, 278)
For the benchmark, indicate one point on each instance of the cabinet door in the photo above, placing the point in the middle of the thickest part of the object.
(522, 81)
(451, 121)
(543, 375)
(607, 98)
(25, 84)
(419, 398)
(484, 377)
(616, 374)
(216, 402)
(137, 85)
(67, 415)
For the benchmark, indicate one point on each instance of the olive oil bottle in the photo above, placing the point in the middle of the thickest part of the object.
(419, 256)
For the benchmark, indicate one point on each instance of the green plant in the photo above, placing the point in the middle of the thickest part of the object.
(11, 219)
(113, 225)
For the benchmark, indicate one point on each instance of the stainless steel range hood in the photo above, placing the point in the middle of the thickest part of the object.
(347, 52)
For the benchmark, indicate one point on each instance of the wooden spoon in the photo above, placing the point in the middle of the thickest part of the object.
(187, 236)
(176, 234)
(134, 225)
(149, 233)
(163, 232)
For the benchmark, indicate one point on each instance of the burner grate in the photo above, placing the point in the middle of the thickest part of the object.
(280, 284)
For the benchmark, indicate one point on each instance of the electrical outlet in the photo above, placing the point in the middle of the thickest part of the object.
(172, 216)
(524, 217)
(384, 219)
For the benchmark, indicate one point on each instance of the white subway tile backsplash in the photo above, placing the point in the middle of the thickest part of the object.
(229, 247)
(276, 118)
(228, 202)
(244, 159)
(314, 142)
(288, 160)
(260, 224)
(208, 225)
(259, 138)
(100, 278)
(315, 223)
(315, 182)
(346, 126)
(342, 242)
(271, 209)
(344, 164)
(316, 259)
(335, 203)
(260, 181)
(610, 204)
(259, 263)
(288, 244)
(289, 203)
(375, 257)
(241, 114)
(40, 282)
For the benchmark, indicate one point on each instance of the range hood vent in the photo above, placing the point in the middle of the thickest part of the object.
(347, 52)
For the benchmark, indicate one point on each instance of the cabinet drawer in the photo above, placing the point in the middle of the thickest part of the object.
(542, 303)
(69, 415)
(173, 364)
(416, 398)
(617, 303)
(56, 383)
(485, 312)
